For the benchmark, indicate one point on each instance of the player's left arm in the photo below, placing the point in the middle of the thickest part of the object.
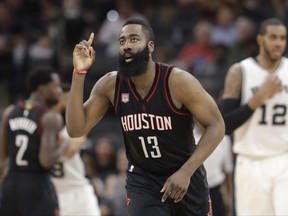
(187, 91)
(206, 112)
(4, 142)
(51, 148)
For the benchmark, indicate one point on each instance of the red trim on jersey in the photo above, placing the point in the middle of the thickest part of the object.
(118, 93)
(167, 97)
(158, 78)
(131, 89)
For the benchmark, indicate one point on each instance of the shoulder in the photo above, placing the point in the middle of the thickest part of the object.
(180, 75)
(233, 82)
(235, 70)
(52, 120)
(7, 111)
(107, 81)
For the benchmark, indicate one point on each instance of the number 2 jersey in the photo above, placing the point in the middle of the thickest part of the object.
(265, 133)
(24, 137)
(158, 136)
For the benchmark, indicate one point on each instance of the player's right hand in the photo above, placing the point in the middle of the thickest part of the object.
(84, 54)
(271, 86)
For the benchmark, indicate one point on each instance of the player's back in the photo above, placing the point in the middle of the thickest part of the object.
(24, 138)
(27, 188)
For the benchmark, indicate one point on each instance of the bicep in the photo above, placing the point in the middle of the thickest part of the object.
(51, 124)
(233, 83)
(197, 100)
(100, 99)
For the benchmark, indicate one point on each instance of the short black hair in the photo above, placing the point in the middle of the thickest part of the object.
(269, 22)
(146, 28)
(39, 76)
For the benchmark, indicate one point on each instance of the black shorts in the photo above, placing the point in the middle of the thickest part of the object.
(28, 194)
(144, 197)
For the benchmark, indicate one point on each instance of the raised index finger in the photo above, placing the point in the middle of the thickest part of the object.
(90, 40)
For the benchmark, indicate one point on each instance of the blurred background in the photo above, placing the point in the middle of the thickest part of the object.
(200, 36)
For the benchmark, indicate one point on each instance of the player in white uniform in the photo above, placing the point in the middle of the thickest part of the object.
(75, 193)
(254, 104)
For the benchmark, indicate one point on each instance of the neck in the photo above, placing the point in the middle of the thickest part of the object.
(267, 63)
(36, 99)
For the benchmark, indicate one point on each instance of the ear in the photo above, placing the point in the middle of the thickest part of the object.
(259, 39)
(151, 46)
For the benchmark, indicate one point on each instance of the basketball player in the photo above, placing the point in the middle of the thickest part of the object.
(75, 194)
(29, 139)
(255, 104)
(155, 104)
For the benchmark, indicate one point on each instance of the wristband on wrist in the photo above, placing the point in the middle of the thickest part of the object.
(80, 71)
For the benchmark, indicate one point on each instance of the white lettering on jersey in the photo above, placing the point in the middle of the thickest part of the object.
(21, 123)
(146, 121)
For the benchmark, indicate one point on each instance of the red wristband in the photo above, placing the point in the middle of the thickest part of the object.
(80, 71)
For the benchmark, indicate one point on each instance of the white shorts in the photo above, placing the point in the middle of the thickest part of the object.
(261, 186)
(79, 201)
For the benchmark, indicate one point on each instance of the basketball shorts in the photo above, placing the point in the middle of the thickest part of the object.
(144, 197)
(30, 194)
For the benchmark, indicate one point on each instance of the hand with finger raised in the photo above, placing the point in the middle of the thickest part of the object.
(83, 55)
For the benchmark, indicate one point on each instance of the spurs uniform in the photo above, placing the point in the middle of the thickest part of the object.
(75, 193)
(261, 144)
(27, 188)
(159, 139)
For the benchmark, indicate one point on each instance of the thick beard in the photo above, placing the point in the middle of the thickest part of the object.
(137, 66)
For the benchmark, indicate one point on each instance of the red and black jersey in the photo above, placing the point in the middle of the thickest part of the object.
(158, 136)
(24, 137)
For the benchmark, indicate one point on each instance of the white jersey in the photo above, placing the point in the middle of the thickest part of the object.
(76, 195)
(264, 134)
(69, 173)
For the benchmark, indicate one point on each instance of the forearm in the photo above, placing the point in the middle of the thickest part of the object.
(233, 114)
(210, 139)
(48, 159)
(75, 114)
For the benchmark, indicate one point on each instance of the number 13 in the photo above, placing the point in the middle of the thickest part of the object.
(152, 140)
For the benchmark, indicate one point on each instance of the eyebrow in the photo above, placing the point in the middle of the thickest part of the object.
(131, 35)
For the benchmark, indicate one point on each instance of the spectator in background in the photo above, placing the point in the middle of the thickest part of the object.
(5, 41)
(115, 185)
(104, 157)
(224, 30)
(245, 45)
(42, 52)
(196, 53)
(109, 30)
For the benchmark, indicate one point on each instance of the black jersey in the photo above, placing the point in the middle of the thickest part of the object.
(24, 137)
(158, 136)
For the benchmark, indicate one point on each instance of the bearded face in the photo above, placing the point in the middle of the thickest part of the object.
(136, 65)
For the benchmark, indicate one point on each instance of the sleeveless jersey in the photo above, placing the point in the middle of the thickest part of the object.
(158, 136)
(24, 137)
(68, 173)
(264, 134)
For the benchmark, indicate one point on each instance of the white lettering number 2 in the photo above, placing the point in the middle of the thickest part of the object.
(152, 140)
(22, 143)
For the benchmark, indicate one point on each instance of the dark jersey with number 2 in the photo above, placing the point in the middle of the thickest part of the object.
(158, 136)
(24, 137)
(27, 188)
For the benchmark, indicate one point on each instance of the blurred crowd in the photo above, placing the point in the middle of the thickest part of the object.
(202, 37)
